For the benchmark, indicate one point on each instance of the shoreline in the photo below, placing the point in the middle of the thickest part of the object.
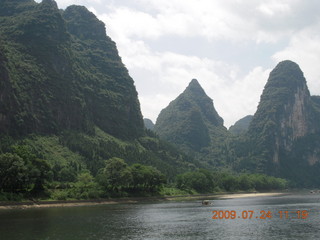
(79, 203)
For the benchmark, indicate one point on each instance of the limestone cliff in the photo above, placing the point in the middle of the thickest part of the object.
(60, 71)
(285, 120)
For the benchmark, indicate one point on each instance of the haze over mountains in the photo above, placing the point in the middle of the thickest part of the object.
(241, 126)
(67, 95)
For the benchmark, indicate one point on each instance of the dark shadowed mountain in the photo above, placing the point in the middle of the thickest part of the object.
(148, 124)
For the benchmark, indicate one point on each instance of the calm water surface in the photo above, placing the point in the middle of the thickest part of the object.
(167, 220)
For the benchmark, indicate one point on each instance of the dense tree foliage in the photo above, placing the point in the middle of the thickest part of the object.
(117, 177)
(204, 181)
(60, 71)
(13, 173)
(22, 171)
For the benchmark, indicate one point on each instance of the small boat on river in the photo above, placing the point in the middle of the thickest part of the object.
(207, 202)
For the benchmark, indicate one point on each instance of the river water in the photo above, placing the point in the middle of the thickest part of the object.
(292, 216)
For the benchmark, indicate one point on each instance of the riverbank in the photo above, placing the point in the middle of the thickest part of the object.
(75, 203)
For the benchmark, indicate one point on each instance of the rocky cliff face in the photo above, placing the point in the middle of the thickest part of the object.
(60, 71)
(66, 95)
(285, 120)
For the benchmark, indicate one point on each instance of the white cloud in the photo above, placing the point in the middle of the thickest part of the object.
(234, 96)
(161, 77)
(274, 7)
(208, 19)
(65, 3)
(304, 49)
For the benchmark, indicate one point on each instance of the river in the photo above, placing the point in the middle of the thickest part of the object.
(291, 216)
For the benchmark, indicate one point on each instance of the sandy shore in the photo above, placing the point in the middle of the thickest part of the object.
(71, 204)
(242, 195)
(46, 204)
(225, 196)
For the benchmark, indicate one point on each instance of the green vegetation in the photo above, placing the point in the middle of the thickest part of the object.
(241, 126)
(23, 176)
(282, 139)
(193, 125)
(118, 178)
(54, 166)
(67, 105)
(60, 71)
(204, 181)
(71, 125)
(22, 172)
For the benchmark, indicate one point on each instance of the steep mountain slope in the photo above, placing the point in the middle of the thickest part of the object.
(67, 97)
(191, 122)
(284, 131)
(61, 71)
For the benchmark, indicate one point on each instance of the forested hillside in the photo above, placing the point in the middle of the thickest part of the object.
(71, 125)
(69, 109)
(283, 136)
(192, 123)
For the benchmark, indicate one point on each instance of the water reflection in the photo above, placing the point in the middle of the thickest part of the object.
(166, 220)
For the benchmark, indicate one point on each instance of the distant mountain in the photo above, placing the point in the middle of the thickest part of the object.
(284, 134)
(241, 126)
(148, 124)
(191, 122)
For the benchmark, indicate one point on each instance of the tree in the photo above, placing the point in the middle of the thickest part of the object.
(146, 178)
(40, 173)
(230, 183)
(194, 180)
(38, 170)
(85, 187)
(245, 182)
(116, 175)
(14, 174)
(66, 174)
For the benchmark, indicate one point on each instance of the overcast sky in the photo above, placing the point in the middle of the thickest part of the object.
(229, 46)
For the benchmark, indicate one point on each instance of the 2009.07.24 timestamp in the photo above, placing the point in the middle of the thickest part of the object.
(251, 214)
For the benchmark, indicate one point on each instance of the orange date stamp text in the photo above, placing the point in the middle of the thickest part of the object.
(255, 214)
